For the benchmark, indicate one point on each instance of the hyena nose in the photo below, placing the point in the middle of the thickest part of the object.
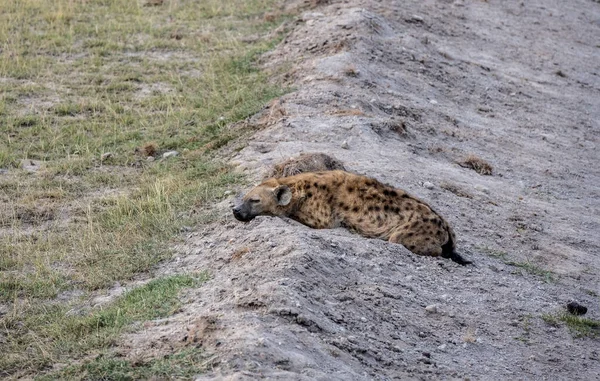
(237, 213)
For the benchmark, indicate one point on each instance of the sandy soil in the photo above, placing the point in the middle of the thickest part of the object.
(402, 91)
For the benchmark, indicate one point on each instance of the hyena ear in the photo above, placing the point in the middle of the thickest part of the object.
(283, 193)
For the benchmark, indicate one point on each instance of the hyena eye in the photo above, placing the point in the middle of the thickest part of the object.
(254, 200)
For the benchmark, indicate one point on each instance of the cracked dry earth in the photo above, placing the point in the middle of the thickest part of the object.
(403, 91)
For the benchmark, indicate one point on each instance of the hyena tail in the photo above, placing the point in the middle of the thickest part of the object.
(448, 251)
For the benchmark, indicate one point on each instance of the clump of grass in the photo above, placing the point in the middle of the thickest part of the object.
(477, 164)
(531, 268)
(457, 190)
(494, 253)
(52, 333)
(351, 71)
(579, 326)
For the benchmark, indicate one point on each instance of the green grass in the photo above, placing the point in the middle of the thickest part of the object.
(533, 269)
(579, 326)
(54, 334)
(184, 364)
(80, 79)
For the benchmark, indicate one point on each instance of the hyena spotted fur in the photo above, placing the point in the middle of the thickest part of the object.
(325, 200)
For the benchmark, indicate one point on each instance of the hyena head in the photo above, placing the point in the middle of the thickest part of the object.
(268, 198)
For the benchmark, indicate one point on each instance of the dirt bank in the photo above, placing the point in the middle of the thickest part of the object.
(405, 91)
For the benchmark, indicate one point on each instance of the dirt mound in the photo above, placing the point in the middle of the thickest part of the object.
(403, 91)
(306, 162)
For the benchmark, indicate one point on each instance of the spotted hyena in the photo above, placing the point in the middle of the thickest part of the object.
(325, 200)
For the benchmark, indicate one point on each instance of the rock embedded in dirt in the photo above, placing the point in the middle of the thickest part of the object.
(432, 308)
(169, 154)
(576, 309)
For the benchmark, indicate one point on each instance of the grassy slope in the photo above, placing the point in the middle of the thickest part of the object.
(83, 78)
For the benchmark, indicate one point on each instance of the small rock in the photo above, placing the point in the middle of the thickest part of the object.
(169, 154)
(576, 308)
(105, 156)
(433, 101)
(150, 158)
(442, 347)
(345, 145)
(428, 185)
(363, 319)
(432, 309)
(481, 188)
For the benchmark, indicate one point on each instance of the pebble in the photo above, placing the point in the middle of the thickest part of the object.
(481, 188)
(345, 145)
(433, 101)
(150, 158)
(442, 347)
(106, 155)
(432, 309)
(169, 154)
(428, 185)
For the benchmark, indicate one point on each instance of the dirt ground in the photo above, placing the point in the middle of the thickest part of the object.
(404, 91)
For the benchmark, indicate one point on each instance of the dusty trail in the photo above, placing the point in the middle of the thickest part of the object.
(412, 87)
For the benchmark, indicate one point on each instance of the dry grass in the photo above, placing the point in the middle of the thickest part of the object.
(351, 71)
(477, 164)
(470, 336)
(455, 189)
(89, 91)
(347, 112)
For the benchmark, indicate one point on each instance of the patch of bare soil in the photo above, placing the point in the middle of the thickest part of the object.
(403, 91)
